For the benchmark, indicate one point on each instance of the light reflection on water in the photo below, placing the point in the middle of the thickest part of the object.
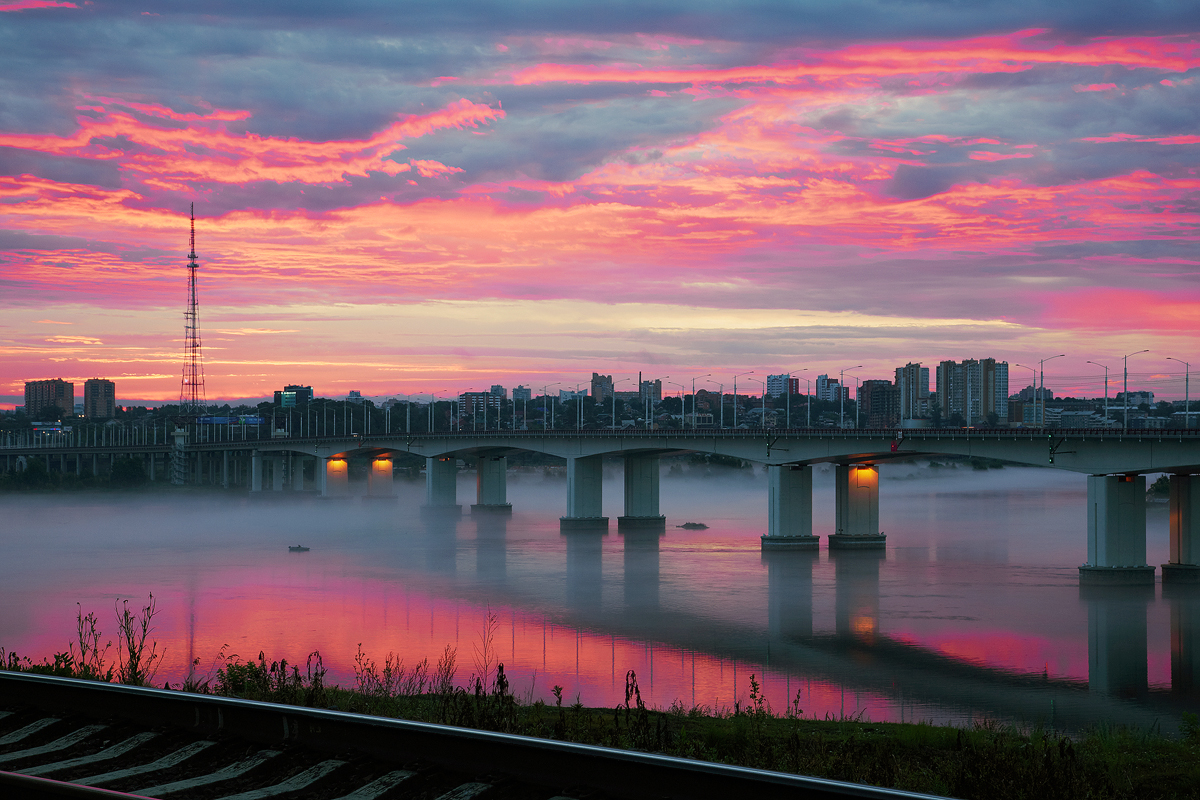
(973, 612)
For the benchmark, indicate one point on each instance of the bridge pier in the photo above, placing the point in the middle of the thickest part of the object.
(256, 471)
(641, 493)
(1117, 652)
(298, 462)
(857, 516)
(1184, 566)
(335, 476)
(585, 481)
(1116, 531)
(277, 473)
(856, 593)
(379, 481)
(790, 594)
(441, 485)
(491, 485)
(789, 508)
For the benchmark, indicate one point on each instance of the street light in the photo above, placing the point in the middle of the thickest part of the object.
(735, 403)
(789, 394)
(1032, 385)
(578, 409)
(722, 388)
(1125, 415)
(1098, 364)
(615, 400)
(546, 399)
(1042, 390)
(682, 416)
(1187, 374)
(649, 401)
(842, 396)
(706, 375)
(763, 422)
(857, 404)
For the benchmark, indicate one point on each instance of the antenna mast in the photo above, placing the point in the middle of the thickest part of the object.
(191, 393)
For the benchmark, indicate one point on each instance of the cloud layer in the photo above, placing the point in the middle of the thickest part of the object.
(994, 181)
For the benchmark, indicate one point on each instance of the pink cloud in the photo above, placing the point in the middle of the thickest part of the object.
(1094, 87)
(984, 155)
(25, 5)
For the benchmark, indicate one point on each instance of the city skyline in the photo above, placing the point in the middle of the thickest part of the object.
(422, 202)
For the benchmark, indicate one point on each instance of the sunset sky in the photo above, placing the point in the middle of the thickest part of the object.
(421, 197)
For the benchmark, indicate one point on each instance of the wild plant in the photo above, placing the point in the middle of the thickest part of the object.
(136, 665)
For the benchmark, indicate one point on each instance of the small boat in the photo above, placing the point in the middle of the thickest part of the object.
(297, 548)
(693, 526)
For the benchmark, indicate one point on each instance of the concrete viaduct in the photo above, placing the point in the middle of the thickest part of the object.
(1116, 464)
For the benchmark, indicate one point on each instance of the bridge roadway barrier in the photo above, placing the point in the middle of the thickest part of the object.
(344, 755)
(1115, 462)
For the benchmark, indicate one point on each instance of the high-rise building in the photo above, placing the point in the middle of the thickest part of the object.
(602, 387)
(522, 394)
(99, 399)
(831, 390)
(293, 396)
(782, 384)
(477, 404)
(653, 390)
(879, 404)
(912, 387)
(973, 389)
(498, 390)
(41, 396)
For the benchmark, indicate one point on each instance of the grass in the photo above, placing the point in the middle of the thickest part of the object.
(981, 763)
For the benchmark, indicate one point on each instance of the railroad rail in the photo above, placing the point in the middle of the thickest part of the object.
(61, 737)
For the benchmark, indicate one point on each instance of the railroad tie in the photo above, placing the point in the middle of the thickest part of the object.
(466, 791)
(295, 783)
(377, 787)
(27, 731)
(95, 758)
(71, 739)
(166, 762)
(228, 773)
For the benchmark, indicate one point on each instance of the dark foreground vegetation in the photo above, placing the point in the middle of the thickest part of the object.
(986, 761)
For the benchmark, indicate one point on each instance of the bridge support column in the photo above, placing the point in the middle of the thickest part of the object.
(789, 508)
(491, 485)
(256, 471)
(335, 476)
(277, 473)
(298, 463)
(857, 517)
(1117, 653)
(225, 469)
(441, 485)
(1116, 531)
(641, 493)
(379, 481)
(585, 480)
(1184, 566)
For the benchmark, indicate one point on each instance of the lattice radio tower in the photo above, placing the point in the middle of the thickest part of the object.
(191, 392)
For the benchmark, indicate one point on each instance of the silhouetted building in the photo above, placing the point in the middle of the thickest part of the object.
(99, 399)
(879, 404)
(912, 386)
(602, 387)
(294, 396)
(41, 396)
(522, 393)
(498, 390)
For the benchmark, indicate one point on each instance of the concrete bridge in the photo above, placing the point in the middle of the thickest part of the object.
(1116, 464)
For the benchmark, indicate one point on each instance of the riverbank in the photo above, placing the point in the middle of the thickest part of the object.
(983, 762)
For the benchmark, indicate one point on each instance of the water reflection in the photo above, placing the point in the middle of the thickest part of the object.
(440, 541)
(857, 593)
(1185, 639)
(1117, 654)
(491, 547)
(585, 569)
(790, 593)
(641, 570)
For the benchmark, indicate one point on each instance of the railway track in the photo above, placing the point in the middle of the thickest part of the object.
(61, 737)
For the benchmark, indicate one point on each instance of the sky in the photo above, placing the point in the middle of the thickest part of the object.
(430, 198)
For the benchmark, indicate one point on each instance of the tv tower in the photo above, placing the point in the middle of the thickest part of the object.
(191, 392)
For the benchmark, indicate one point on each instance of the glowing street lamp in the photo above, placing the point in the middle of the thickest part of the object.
(1125, 420)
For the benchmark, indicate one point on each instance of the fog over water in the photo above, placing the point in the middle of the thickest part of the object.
(973, 612)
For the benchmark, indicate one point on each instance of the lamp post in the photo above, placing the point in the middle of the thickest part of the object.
(706, 375)
(578, 409)
(721, 386)
(763, 421)
(649, 402)
(789, 393)
(1098, 364)
(857, 403)
(735, 404)
(681, 389)
(1042, 390)
(614, 404)
(1032, 385)
(1125, 393)
(546, 399)
(1187, 375)
(842, 396)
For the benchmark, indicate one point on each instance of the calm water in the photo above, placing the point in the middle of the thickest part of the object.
(974, 611)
